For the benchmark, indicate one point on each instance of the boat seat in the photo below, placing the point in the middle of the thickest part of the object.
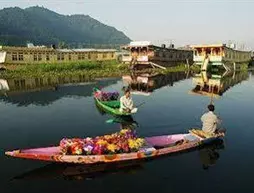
(164, 146)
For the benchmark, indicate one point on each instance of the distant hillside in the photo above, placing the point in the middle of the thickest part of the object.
(42, 26)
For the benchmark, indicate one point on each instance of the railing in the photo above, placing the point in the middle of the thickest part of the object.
(211, 58)
(126, 58)
(142, 58)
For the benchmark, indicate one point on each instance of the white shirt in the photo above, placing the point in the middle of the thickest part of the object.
(210, 122)
(126, 103)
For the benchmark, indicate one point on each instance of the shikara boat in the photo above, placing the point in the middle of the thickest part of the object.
(88, 171)
(156, 146)
(110, 106)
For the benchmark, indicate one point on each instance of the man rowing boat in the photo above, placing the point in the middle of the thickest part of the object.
(126, 102)
(210, 121)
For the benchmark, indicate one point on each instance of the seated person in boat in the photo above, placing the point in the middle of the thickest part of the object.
(210, 121)
(126, 102)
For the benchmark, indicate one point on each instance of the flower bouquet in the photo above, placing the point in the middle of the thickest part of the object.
(106, 96)
(125, 141)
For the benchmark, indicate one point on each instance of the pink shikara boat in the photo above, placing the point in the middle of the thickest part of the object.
(157, 146)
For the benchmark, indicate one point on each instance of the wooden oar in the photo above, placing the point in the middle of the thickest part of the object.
(110, 121)
(113, 120)
(140, 104)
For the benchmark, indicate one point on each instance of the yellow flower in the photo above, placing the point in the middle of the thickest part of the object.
(107, 137)
(112, 147)
(131, 143)
(102, 142)
(124, 131)
(140, 142)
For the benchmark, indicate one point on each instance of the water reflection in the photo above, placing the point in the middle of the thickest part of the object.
(209, 154)
(124, 121)
(80, 172)
(146, 83)
(4, 87)
(22, 92)
(215, 85)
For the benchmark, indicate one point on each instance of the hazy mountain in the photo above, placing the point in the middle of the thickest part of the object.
(42, 26)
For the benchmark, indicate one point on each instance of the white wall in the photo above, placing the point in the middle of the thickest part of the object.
(2, 57)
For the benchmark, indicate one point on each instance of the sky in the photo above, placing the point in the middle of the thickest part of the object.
(183, 22)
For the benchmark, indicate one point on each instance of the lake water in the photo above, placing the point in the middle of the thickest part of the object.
(40, 112)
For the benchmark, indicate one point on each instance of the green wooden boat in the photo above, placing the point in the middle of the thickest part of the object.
(111, 107)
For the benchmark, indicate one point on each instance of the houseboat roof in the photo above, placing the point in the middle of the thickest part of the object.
(217, 46)
(12, 48)
(86, 50)
(140, 43)
(208, 45)
(204, 93)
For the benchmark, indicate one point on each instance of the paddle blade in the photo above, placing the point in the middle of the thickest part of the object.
(110, 121)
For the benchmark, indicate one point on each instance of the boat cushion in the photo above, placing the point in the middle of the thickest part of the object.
(190, 137)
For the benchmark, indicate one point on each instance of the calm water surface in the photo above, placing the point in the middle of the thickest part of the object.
(40, 112)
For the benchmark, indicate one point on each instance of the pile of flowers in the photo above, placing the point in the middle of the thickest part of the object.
(125, 141)
(106, 96)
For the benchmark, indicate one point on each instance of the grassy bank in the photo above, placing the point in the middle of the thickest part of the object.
(89, 69)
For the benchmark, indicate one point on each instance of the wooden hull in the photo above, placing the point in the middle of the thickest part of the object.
(108, 109)
(52, 154)
(83, 171)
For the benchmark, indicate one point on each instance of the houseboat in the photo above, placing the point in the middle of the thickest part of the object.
(42, 54)
(220, 55)
(215, 85)
(145, 54)
(146, 83)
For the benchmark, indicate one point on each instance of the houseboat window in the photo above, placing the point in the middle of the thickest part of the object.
(14, 56)
(69, 56)
(112, 55)
(62, 56)
(89, 56)
(35, 57)
(47, 56)
(23, 83)
(21, 57)
(58, 56)
(39, 57)
(104, 55)
(199, 51)
(16, 83)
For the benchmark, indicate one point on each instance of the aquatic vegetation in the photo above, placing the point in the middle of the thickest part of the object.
(90, 69)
